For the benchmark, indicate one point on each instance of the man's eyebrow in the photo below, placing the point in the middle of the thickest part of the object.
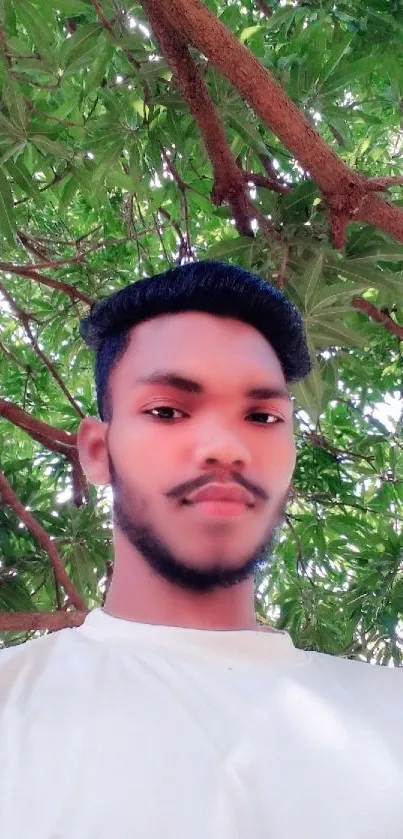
(175, 380)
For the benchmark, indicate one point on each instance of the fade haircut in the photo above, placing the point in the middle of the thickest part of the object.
(210, 286)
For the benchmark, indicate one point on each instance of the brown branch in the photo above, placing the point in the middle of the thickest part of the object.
(36, 250)
(104, 20)
(261, 180)
(175, 224)
(173, 170)
(269, 166)
(56, 179)
(378, 316)
(4, 45)
(24, 317)
(264, 8)
(228, 179)
(379, 184)
(49, 116)
(281, 276)
(347, 194)
(26, 621)
(15, 358)
(9, 497)
(47, 436)
(32, 274)
(109, 28)
(53, 438)
(41, 85)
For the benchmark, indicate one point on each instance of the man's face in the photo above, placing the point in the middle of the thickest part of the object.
(164, 442)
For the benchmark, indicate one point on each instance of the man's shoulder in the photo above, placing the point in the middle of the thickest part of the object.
(359, 677)
(32, 655)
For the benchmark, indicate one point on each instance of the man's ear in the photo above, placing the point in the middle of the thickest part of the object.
(92, 451)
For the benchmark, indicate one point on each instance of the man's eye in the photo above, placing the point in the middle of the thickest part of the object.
(165, 410)
(273, 419)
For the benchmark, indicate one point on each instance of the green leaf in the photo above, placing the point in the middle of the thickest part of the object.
(11, 151)
(15, 102)
(308, 394)
(335, 293)
(298, 201)
(35, 24)
(69, 190)
(311, 277)
(246, 130)
(249, 31)
(339, 51)
(360, 269)
(8, 129)
(98, 68)
(354, 71)
(7, 221)
(51, 146)
(335, 334)
(78, 49)
(228, 247)
(72, 7)
(24, 179)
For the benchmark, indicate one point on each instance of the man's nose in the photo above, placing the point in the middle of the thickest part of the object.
(222, 449)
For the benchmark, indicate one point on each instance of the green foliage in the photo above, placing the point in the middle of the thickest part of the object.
(84, 114)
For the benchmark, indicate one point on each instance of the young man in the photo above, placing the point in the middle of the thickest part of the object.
(169, 714)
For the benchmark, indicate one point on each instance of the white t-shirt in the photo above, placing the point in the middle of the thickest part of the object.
(123, 730)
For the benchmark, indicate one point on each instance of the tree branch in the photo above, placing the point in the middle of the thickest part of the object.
(24, 317)
(229, 182)
(26, 621)
(347, 194)
(378, 316)
(47, 435)
(264, 8)
(9, 497)
(53, 439)
(32, 274)
(269, 183)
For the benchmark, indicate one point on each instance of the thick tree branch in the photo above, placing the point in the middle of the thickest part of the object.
(55, 440)
(9, 497)
(347, 194)
(378, 316)
(26, 621)
(229, 182)
(47, 435)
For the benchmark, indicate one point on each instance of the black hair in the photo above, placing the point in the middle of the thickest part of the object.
(210, 286)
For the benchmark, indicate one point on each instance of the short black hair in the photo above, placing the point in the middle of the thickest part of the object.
(206, 286)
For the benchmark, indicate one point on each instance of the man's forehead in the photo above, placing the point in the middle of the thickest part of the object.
(186, 382)
(208, 356)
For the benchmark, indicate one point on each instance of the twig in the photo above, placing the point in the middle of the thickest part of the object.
(9, 497)
(26, 271)
(24, 317)
(264, 8)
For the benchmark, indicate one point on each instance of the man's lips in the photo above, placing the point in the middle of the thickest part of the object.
(221, 493)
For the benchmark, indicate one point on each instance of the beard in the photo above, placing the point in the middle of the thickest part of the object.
(144, 538)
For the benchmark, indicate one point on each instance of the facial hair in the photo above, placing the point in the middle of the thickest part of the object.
(144, 538)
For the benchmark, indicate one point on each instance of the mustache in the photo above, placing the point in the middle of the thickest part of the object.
(184, 489)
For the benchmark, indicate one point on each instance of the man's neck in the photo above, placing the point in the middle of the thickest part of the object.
(151, 599)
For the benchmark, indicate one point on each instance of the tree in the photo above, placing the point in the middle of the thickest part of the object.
(134, 136)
